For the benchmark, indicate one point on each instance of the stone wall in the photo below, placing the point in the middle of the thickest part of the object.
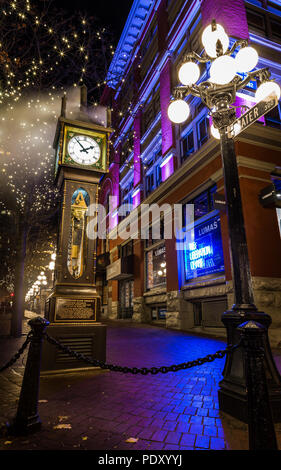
(179, 311)
(267, 295)
(141, 312)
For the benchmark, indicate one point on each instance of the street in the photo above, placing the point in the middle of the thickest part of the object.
(101, 410)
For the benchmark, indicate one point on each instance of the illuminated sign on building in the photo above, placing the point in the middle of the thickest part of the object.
(252, 83)
(204, 254)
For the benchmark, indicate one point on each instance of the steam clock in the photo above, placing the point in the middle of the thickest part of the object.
(73, 308)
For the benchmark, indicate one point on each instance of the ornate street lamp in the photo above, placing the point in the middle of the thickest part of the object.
(218, 94)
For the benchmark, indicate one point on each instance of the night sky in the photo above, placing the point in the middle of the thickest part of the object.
(112, 14)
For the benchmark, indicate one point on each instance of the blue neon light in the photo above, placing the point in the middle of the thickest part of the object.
(252, 84)
(204, 255)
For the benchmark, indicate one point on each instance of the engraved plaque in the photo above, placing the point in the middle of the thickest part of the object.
(75, 310)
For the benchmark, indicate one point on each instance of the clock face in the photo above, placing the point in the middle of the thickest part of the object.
(84, 150)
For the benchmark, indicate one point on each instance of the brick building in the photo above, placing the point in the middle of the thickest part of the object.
(153, 161)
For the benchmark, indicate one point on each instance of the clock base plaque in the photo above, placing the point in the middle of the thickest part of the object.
(74, 322)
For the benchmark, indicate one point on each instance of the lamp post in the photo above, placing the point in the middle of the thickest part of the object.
(218, 94)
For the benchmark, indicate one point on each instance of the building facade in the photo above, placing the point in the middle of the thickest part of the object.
(153, 161)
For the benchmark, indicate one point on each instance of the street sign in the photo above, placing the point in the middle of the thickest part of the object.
(270, 197)
(219, 202)
(253, 114)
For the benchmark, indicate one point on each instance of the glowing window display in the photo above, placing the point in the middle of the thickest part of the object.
(203, 254)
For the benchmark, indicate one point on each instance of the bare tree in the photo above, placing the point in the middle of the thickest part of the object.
(43, 53)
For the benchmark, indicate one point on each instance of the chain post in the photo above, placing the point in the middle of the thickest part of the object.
(27, 419)
(260, 420)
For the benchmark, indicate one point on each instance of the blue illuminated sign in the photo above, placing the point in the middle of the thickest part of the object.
(252, 83)
(204, 254)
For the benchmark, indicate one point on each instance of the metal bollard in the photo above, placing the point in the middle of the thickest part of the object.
(27, 419)
(260, 421)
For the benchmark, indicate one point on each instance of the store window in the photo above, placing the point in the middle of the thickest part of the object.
(153, 178)
(196, 131)
(187, 145)
(202, 252)
(150, 241)
(156, 267)
(126, 250)
(149, 183)
(155, 259)
(203, 204)
(203, 131)
(158, 312)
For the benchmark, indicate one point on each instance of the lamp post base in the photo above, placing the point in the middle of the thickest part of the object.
(232, 393)
(22, 427)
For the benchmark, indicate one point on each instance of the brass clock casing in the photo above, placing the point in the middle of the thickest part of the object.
(66, 129)
(74, 298)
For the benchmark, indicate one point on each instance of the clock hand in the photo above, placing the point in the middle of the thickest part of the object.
(89, 148)
(81, 146)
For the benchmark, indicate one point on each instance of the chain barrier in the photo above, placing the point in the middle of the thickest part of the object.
(143, 370)
(124, 369)
(252, 339)
(18, 354)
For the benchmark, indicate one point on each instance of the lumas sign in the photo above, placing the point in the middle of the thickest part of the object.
(203, 254)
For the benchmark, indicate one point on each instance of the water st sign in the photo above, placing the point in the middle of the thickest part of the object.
(254, 113)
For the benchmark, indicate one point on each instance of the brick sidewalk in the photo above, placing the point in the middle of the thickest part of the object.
(100, 410)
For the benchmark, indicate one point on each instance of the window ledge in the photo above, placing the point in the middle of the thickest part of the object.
(204, 283)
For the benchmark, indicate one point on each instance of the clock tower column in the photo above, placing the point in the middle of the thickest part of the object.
(73, 308)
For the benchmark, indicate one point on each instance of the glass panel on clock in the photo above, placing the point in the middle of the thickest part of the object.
(77, 243)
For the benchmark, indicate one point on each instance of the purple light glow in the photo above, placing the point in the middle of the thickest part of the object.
(168, 168)
(165, 93)
(137, 199)
(244, 102)
(231, 14)
(137, 150)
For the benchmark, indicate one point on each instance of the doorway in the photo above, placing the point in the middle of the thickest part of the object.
(126, 289)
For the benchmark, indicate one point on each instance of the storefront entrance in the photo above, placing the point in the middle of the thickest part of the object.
(126, 293)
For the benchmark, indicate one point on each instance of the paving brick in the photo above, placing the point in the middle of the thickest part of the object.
(159, 436)
(196, 428)
(217, 443)
(202, 412)
(214, 413)
(182, 426)
(174, 411)
(146, 433)
(171, 416)
(209, 421)
(202, 442)
(169, 425)
(197, 419)
(210, 431)
(171, 447)
(173, 437)
(187, 440)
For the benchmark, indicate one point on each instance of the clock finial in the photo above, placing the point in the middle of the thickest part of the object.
(83, 97)
(63, 106)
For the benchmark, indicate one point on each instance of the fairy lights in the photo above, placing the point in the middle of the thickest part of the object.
(51, 40)
(42, 55)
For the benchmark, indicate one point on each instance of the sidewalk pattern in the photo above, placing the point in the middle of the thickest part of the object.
(114, 411)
